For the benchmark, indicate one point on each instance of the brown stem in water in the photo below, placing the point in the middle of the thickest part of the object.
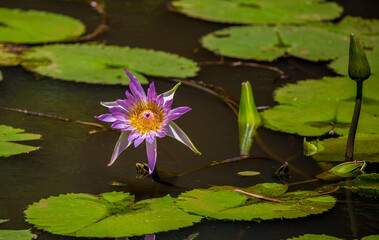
(53, 117)
(282, 75)
(102, 27)
(216, 163)
(251, 194)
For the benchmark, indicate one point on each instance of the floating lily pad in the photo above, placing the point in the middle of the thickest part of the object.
(367, 185)
(316, 107)
(110, 215)
(271, 42)
(371, 237)
(93, 63)
(16, 235)
(9, 135)
(366, 148)
(340, 65)
(19, 26)
(220, 203)
(314, 237)
(248, 173)
(350, 24)
(255, 11)
(10, 54)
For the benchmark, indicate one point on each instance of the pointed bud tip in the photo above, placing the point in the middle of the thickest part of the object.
(359, 68)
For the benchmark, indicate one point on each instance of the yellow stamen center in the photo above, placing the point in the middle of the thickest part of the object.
(146, 117)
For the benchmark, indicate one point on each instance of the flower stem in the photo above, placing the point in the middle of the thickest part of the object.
(354, 123)
(155, 175)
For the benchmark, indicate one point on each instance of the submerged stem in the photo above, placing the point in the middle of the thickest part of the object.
(354, 123)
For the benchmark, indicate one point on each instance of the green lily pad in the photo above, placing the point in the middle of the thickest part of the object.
(349, 24)
(366, 147)
(367, 185)
(316, 107)
(255, 11)
(93, 63)
(19, 26)
(371, 237)
(271, 42)
(220, 203)
(314, 237)
(16, 235)
(110, 215)
(248, 173)
(10, 54)
(9, 135)
(340, 65)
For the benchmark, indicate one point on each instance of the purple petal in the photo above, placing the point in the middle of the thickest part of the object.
(149, 237)
(117, 110)
(118, 125)
(109, 104)
(128, 128)
(161, 134)
(135, 86)
(178, 112)
(106, 117)
(121, 145)
(174, 131)
(170, 94)
(128, 95)
(133, 135)
(168, 103)
(124, 104)
(150, 137)
(151, 150)
(138, 141)
(151, 93)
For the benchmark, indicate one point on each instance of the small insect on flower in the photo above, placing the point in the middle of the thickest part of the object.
(141, 117)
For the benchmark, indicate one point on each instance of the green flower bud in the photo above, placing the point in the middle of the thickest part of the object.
(359, 68)
(248, 119)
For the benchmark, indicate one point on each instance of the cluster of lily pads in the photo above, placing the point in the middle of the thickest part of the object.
(116, 214)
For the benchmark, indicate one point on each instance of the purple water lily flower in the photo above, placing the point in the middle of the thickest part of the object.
(141, 117)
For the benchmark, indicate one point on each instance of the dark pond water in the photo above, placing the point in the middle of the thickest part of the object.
(71, 160)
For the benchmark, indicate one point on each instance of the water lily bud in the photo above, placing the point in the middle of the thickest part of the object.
(343, 170)
(248, 119)
(359, 68)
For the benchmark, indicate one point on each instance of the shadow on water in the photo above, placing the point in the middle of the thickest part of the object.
(71, 160)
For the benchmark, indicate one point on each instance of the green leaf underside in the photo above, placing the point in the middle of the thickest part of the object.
(314, 237)
(16, 235)
(109, 215)
(220, 203)
(93, 63)
(340, 64)
(366, 147)
(367, 185)
(248, 173)
(3, 220)
(7, 137)
(19, 26)
(255, 11)
(314, 107)
(261, 42)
